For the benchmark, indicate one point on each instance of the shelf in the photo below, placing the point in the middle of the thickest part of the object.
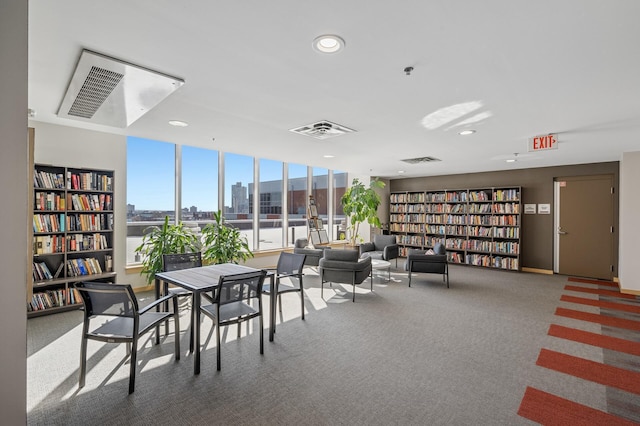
(471, 223)
(73, 221)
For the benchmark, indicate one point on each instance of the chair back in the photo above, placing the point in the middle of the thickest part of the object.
(381, 241)
(290, 263)
(240, 287)
(342, 255)
(301, 243)
(174, 262)
(108, 299)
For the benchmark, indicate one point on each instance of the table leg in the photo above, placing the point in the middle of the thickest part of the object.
(195, 326)
(273, 306)
(156, 283)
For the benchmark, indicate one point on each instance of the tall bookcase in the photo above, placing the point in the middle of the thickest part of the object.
(72, 234)
(478, 226)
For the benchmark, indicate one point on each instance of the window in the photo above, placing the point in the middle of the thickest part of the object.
(339, 188)
(199, 185)
(319, 190)
(270, 214)
(297, 209)
(238, 197)
(150, 188)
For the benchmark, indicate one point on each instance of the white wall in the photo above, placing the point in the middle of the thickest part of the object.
(14, 169)
(629, 267)
(71, 147)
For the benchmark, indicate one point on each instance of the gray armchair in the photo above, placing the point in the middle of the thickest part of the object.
(313, 254)
(344, 266)
(383, 247)
(418, 261)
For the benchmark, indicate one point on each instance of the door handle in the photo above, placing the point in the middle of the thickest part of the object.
(561, 232)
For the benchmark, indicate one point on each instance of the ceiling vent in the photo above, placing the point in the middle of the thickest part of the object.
(111, 92)
(419, 160)
(322, 130)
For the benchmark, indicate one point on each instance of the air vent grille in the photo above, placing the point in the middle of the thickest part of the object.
(322, 130)
(421, 160)
(97, 87)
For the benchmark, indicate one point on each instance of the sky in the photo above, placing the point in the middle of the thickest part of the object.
(151, 171)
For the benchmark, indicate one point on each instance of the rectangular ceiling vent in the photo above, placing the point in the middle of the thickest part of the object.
(419, 160)
(107, 91)
(322, 130)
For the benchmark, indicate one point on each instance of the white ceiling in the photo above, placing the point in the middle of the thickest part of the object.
(527, 68)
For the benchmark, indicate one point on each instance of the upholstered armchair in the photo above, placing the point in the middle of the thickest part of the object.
(383, 247)
(419, 261)
(313, 254)
(344, 266)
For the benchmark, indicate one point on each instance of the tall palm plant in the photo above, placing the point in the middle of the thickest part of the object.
(224, 243)
(167, 239)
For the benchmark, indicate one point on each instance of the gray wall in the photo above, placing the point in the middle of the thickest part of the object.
(537, 187)
(14, 171)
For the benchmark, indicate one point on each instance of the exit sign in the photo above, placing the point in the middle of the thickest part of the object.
(542, 143)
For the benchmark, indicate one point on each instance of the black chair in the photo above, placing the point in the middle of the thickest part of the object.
(175, 262)
(344, 266)
(419, 261)
(383, 247)
(288, 276)
(301, 246)
(232, 303)
(120, 320)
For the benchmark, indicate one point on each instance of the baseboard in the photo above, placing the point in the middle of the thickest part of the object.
(538, 271)
(633, 292)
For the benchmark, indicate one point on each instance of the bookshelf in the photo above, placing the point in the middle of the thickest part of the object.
(478, 226)
(72, 234)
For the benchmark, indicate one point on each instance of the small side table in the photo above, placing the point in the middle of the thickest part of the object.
(381, 265)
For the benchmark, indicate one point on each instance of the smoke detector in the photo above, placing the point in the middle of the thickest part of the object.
(322, 130)
(107, 91)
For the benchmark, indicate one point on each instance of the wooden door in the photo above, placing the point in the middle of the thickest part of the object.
(585, 226)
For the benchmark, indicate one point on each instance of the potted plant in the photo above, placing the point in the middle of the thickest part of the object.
(223, 243)
(360, 203)
(168, 239)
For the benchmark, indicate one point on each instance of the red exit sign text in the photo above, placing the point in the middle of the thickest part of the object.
(541, 143)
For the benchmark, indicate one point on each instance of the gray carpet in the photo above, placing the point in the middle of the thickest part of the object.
(424, 355)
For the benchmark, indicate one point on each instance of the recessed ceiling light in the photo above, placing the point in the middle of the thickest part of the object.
(328, 43)
(400, 172)
(467, 132)
(511, 160)
(328, 156)
(178, 123)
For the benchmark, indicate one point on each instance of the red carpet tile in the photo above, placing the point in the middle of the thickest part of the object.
(599, 319)
(548, 409)
(600, 292)
(590, 370)
(594, 339)
(599, 282)
(602, 304)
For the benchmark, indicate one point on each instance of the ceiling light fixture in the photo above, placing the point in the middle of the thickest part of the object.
(328, 43)
(178, 123)
(467, 132)
(400, 172)
(328, 156)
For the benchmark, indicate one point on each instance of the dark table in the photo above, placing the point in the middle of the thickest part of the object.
(203, 279)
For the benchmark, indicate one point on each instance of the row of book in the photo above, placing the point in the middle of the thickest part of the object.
(499, 262)
(86, 266)
(84, 242)
(90, 202)
(44, 179)
(89, 181)
(47, 244)
(48, 222)
(49, 201)
(42, 272)
(474, 218)
(90, 222)
(53, 299)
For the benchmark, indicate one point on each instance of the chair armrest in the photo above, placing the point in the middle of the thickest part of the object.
(365, 247)
(390, 252)
(156, 303)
